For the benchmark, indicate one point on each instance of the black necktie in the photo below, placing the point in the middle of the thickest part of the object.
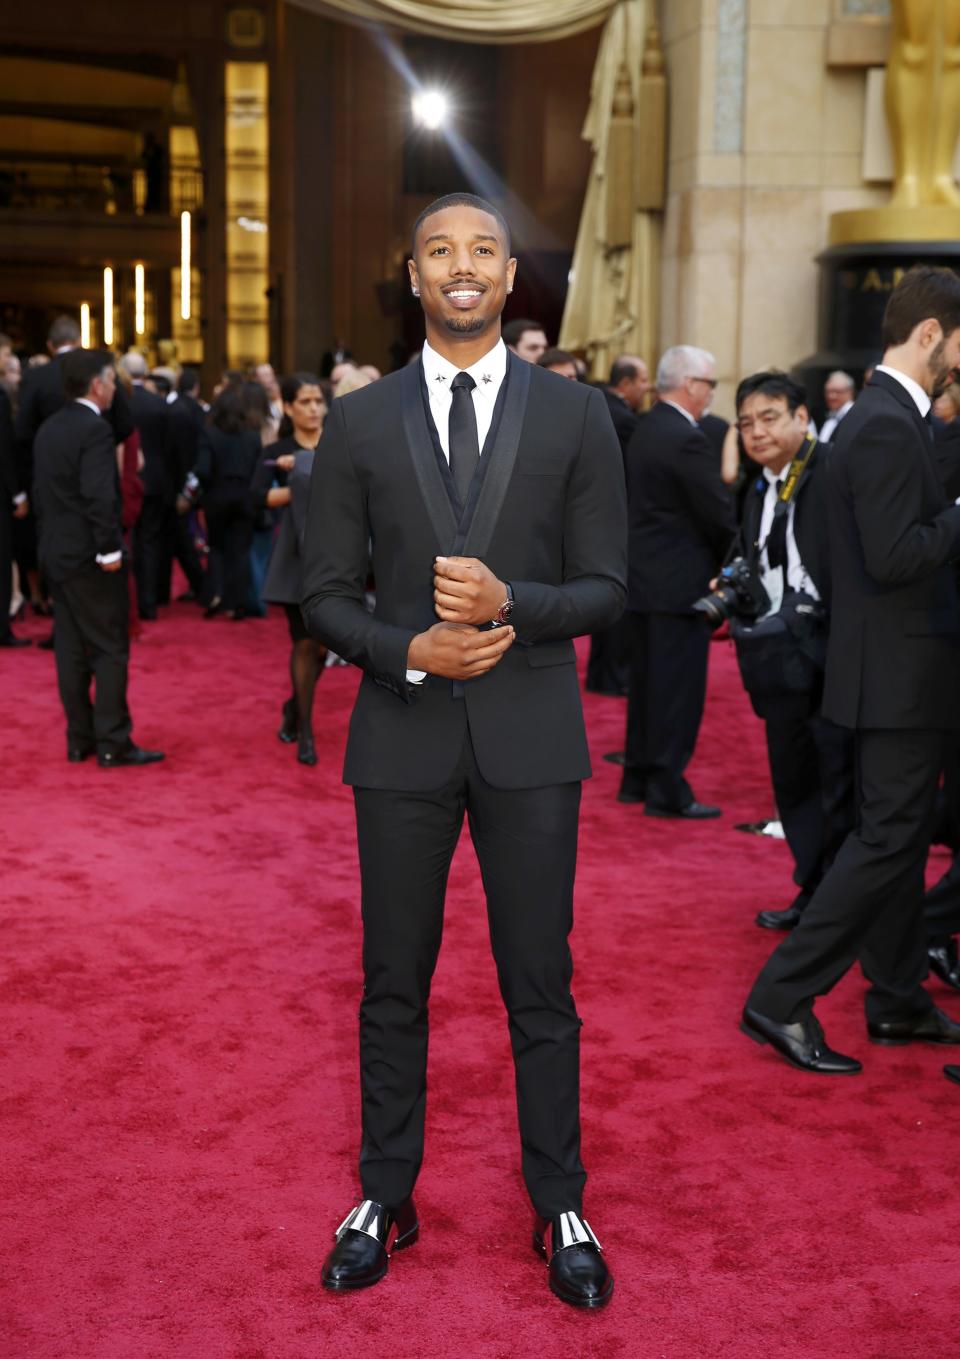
(464, 444)
(777, 537)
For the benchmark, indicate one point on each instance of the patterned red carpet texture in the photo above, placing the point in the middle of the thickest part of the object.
(179, 1102)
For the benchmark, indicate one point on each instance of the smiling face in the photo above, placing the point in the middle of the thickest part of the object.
(462, 272)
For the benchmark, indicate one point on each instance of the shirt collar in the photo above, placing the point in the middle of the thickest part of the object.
(488, 372)
(686, 414)
(920, 397)
(90, 405)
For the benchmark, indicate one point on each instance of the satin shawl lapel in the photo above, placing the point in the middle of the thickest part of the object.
(502, 457)
(424, 459)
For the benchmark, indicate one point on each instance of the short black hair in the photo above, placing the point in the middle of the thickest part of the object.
(551, 356)
(772, 382)
(622, 369)
(291, 384)
(80, 367)
(460, 200)
(188, 381)
(925, 291)
(514, 331)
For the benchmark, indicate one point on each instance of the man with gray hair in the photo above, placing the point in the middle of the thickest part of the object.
(839, 391)
(681, 524)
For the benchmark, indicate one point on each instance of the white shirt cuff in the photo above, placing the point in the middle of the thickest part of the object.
(20, 498)
(108, 558)
(416, 676)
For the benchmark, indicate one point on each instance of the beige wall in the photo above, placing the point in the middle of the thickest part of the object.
(766, 142)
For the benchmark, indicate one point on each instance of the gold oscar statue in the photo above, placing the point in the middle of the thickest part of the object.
(923, 111)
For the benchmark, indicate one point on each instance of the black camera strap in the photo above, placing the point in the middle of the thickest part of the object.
(776, 541)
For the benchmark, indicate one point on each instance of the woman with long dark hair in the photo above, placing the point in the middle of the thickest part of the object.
(227, 454)
(282, 480)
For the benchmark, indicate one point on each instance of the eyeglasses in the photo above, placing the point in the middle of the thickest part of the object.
(766, 419)
(711, 382)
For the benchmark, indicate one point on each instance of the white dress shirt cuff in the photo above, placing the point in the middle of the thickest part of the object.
(20, 498)
(108, 558)
(416, 676)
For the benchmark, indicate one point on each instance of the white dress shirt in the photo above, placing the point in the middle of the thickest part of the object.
(831, 422)
(772, 576)
(103, 558)
(923, 402)
(488, 373)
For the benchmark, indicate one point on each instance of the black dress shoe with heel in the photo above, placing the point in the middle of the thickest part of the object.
(801, 1043)
(365, 1241)
(578, 1272)
(306, 750)
(944, 963)
(289, 724)
(932, 1027)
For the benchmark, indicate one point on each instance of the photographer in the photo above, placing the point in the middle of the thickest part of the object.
(777, 595)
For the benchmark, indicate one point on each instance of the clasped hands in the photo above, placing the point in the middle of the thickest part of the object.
(466, 594)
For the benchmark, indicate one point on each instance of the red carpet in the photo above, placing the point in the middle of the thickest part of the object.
(178, 1112)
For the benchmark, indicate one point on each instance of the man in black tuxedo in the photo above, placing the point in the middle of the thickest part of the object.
(492, 492)
(186, 419)
(12, 502)
(78, 504)
(681, 525)
(892, 677)
(784, 538)
(154, 536)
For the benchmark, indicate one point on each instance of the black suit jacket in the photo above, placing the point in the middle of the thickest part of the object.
(185, 420)
(715, 428)
(809, 520)
(625, 418)
(10, 484)
(681, 514)
(550, 519)
(76, 491)
(41, 395)
(893, 661)
(160, 465)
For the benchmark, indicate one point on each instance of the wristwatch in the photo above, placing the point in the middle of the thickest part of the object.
(505, 609)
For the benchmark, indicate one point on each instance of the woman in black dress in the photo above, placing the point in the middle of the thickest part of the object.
(285, 468)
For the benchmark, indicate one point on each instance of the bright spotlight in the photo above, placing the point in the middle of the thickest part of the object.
(430, 108)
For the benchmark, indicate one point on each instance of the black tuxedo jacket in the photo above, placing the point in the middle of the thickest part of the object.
(41, 395)
(681, 514)
(160, 464)
(550, 518)
(76, 491)
(893, 660)
(809, 520)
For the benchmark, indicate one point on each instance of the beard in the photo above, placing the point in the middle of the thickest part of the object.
(465, 325)
(941, 374)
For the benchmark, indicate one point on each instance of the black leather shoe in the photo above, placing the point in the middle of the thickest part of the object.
(578, 1272)
(77, 754)
(306, 751)
(952, 1073)
(625, 795)
(289, 723)
(694, 811)
(945, 963)
(10, 640)
(133, 755)
(932, 1027)
(148, 615)
(801, 1043)
(365, 1241)
(47, 644)
(779, 920)
(616, 757)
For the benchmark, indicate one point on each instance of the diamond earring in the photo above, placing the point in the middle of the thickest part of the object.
(415, 291)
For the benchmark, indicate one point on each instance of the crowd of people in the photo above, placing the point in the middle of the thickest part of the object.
(622, 509)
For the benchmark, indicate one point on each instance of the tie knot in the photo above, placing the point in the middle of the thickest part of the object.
(463, 382)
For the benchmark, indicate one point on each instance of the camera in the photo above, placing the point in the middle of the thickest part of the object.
(740, 593)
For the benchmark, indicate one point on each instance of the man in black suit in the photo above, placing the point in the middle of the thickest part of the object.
(892, 677)
(12, 502)
(186, 418)
(154, 536)
(626, 393)
(78, 504)
(492, 492)
(784, 538)
(681, 525)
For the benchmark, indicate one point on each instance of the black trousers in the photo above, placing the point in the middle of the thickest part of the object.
(942, 903)
(91, 642)
(230, 531)
(525, 842)
(6, 564)
(869, 904)
(811, 768)
(154, 538)
(608, 669)
(668, 685)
